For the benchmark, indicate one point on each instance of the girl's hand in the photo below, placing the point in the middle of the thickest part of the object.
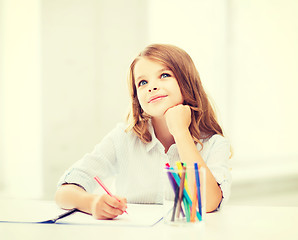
(107, 207)
(178, 119)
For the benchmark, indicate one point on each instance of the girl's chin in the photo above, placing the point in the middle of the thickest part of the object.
(158, 115)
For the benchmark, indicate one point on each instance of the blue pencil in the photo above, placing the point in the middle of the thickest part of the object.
(198, 187)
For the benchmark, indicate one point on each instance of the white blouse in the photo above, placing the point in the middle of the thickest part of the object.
(138, 167)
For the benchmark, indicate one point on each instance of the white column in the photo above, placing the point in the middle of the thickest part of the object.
(20, 97)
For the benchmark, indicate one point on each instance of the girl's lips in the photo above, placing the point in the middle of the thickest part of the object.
(156, 98)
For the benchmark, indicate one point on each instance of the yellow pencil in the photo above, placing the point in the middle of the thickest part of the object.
(180, 169)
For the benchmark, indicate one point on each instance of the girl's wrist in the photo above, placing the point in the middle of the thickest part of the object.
(181, 134)
(90, 202)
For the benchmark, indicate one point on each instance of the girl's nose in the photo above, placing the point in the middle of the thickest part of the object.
(152, 89)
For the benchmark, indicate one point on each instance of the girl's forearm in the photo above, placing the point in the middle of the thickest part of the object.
(189, 154)
(71, 196)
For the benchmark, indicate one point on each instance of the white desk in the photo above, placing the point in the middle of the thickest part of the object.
(233, 222)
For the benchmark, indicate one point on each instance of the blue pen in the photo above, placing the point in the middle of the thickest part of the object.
(198, 188)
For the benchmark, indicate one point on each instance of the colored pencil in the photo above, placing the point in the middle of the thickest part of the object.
(194, 205)
(181, 191)
(175, 204)
(180, 166)
(106, 189)
(198, 188)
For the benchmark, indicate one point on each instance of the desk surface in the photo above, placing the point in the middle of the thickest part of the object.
(232, 222)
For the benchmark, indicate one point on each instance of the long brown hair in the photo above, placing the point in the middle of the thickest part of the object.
(203, 120)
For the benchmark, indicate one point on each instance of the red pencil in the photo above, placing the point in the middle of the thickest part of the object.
(106, 189)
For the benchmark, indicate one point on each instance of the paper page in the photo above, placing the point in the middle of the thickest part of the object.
(137, 215)
(38, 211)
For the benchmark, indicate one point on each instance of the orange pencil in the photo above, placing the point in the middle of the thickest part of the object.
(194, 205)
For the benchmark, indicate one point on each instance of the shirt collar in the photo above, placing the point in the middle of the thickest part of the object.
(154, 140)
(155, 143)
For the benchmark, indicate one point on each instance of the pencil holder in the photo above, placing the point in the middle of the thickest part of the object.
(184, 194)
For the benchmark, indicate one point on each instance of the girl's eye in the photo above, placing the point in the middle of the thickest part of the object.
(141, 83)
(164, 75)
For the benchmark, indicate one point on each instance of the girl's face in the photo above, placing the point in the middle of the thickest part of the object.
(157, 87)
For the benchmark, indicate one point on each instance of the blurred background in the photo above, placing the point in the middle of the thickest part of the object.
(63, 71)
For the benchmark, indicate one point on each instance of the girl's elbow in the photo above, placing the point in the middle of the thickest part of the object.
(57, 197)
(212, 207)
(214, 202)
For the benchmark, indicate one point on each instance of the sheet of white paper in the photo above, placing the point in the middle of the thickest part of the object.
(137, 215)
(37, 211)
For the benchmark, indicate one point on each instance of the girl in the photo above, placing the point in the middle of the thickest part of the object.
(171, 120)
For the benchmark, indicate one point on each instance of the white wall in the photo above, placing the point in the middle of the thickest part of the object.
(20, 98)
(264, 81)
